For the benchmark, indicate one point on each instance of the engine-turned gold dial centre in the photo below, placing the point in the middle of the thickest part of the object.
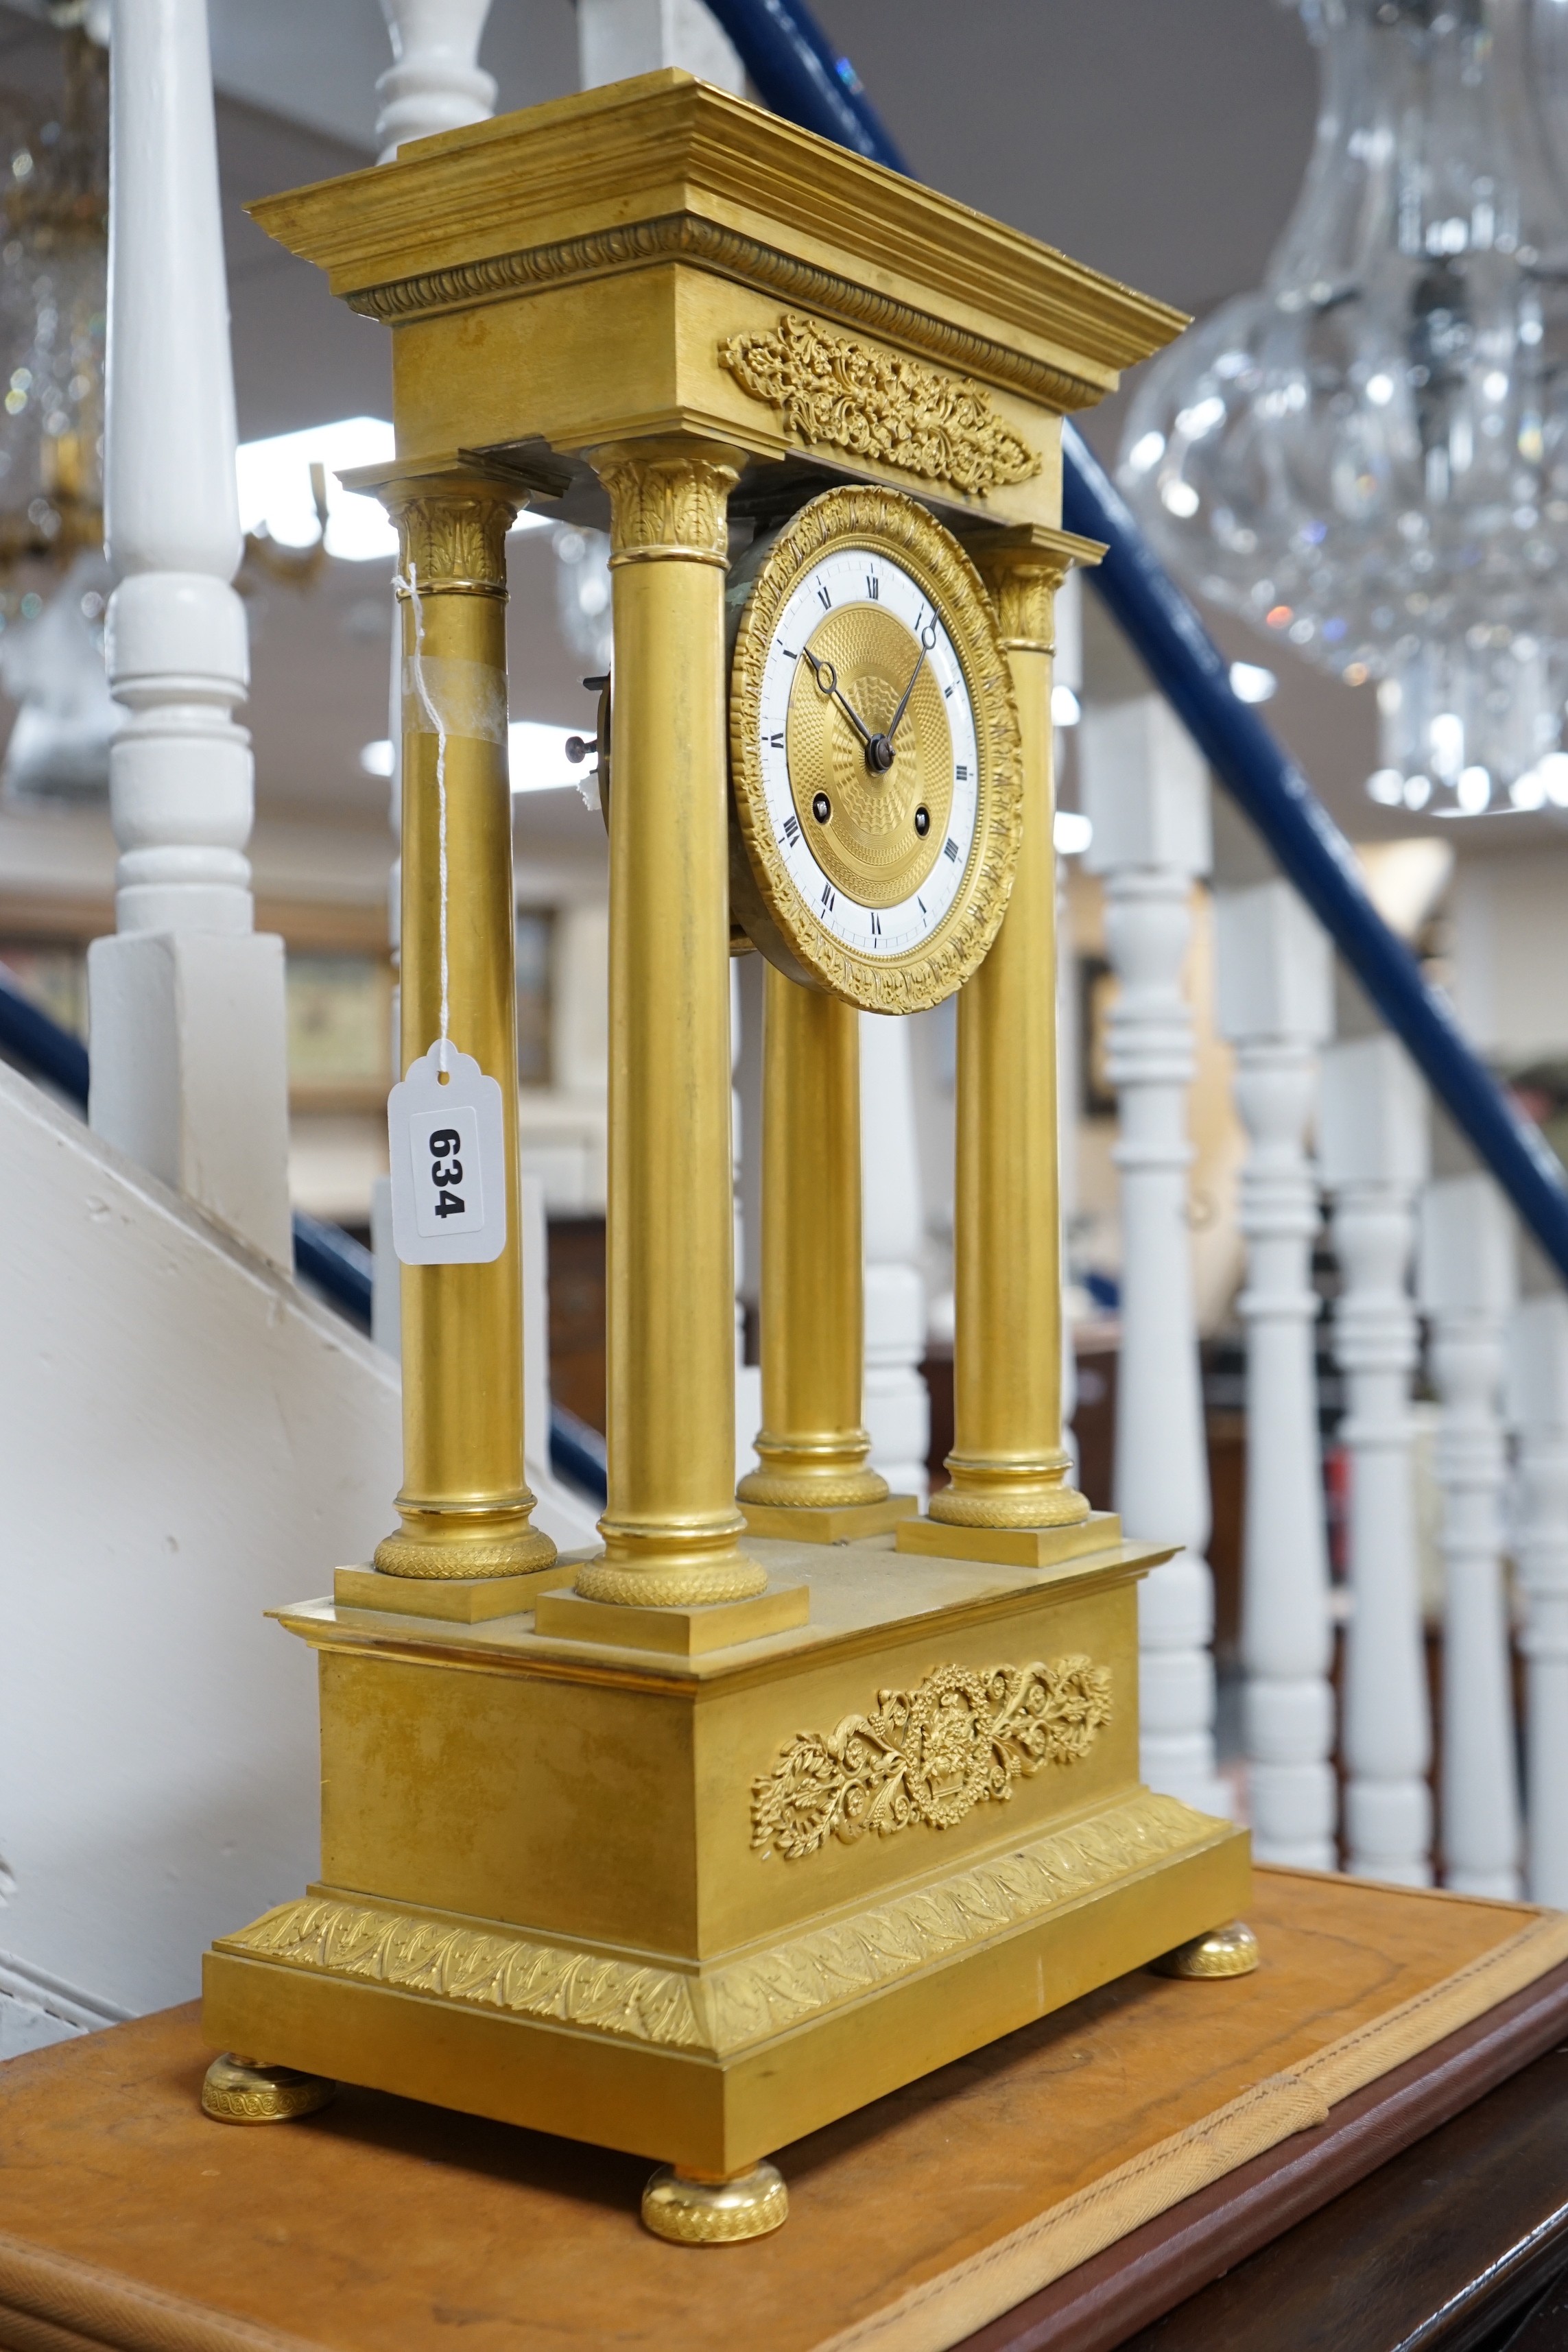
(871, 754)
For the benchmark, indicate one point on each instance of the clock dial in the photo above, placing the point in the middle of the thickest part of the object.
(874, 750)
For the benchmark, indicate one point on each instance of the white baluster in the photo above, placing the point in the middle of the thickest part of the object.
(1372, 1146)
(189, 1071)
(617, 38)
(1467, 1283)
(1537, 1414)
(1145, 790)
(1276, 1005)
(896, 1403)
(436, 82)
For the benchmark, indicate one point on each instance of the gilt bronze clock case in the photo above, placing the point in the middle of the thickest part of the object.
(696, 1841)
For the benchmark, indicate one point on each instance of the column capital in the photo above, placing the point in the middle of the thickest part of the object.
(668, 498)
(452, 521)
(1023, 568)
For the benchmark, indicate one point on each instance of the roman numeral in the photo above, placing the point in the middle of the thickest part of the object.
(828, 900)
(777, 742)
(950, 848)
(827, 599)
(873, 588)
(876, 925)
(788, 653)
(961, 774)
(947, 690)
(792, 829)
(921, 905)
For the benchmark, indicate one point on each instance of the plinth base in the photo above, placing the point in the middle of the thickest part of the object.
(1013, 1547)
(674, 1632)
(459, 1600)
(692, 1882)
(828, 1523)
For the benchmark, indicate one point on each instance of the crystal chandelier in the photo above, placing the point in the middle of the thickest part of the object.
(1368, 457)
(53, 269)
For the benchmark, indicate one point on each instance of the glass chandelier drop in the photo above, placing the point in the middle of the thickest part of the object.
(53, 269)
(1368, 457)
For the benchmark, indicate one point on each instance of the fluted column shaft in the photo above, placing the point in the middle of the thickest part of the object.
(671, 1522)
(1008, 1466)
(464, 1500)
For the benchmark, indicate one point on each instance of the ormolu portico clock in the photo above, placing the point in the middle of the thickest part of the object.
(789, 1792)
(874, 753)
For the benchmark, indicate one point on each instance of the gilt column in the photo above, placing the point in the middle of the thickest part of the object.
(1145, 790)
(1466, 1281)
(189, 1067)
(1275, 991)
(671, 1521)
(465, 1501)
(1371, 1145)
(1538, 1415)
(812, 1445)
(434, 84)
(1008, 1466)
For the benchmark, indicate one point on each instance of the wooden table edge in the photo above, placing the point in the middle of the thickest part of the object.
(1146, 2274)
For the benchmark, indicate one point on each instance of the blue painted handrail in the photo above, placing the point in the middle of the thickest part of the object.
(330, 1259)
(794, 71)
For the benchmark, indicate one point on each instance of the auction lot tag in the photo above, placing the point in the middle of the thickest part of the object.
(446, 1146)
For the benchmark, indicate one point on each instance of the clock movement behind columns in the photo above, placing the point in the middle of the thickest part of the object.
(693, 1844)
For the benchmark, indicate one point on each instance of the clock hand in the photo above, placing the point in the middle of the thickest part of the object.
(927, 639)
(826, 678)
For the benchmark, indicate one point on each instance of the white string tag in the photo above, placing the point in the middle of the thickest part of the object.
(447, 1145)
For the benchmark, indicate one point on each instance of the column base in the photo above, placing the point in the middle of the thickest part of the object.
(461, 1600)
(691, 2211)
(676, 1633)
(828, 1523)
(1011, 1547)
(454, 1557)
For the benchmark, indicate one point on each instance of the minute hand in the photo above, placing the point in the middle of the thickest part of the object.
(927, 639)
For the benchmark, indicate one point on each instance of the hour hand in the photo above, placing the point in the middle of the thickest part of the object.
(826, 678)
